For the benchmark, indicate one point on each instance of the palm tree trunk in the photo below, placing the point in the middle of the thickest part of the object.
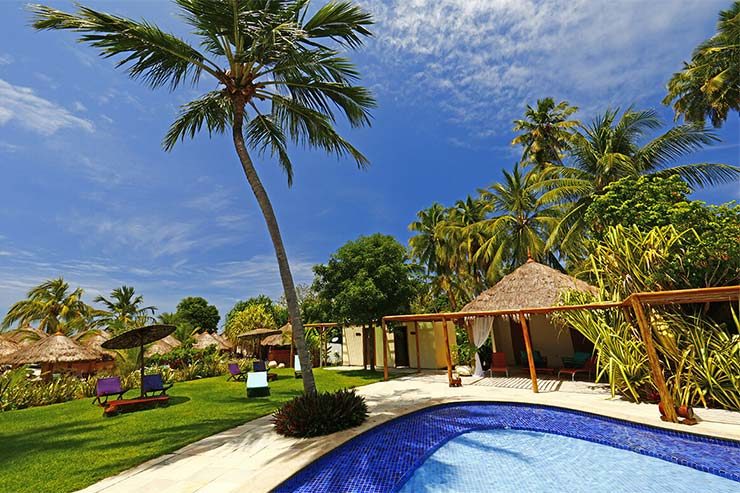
(294, 312)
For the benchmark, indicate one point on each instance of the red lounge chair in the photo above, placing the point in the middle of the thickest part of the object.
(498, 364)
(235, 373)
(106, 387)
(588, 367)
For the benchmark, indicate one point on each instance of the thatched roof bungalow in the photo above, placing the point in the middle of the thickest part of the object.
(206, 339)
(56, 353)
(532, 285)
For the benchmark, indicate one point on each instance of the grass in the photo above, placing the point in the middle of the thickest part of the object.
(68, 446)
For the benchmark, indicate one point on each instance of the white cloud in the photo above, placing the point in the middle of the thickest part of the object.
(6, 59)
(22, 107)
(78, 106)
(483, 60)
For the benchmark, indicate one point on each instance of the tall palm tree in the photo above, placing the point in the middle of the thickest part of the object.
(280, 75)
(545, 132)
(709, 85)
(609, 149)
(520, 223)
(463, 239)
(53, 306)
(124, 309)
(425, 242)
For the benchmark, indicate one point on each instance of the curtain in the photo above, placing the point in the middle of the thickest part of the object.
(482, 327)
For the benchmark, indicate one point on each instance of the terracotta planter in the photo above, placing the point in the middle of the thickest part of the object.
(685, 412)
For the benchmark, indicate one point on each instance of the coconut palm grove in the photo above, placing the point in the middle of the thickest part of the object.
(369, 246)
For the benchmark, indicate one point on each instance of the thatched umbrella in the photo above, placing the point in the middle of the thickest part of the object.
(138, 338)
(532, 285)
(284, 338)
(163, 346)
(51, 350)
(205, 339)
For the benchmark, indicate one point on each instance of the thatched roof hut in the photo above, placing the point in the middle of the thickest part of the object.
(94, 340)
(205, 339)
(56, 348)
(7, 347)
(532, 285)
(25, 336)
(227, 344)
(163, 346)
(283, 339)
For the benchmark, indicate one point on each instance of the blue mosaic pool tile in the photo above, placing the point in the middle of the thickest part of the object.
(383, 458)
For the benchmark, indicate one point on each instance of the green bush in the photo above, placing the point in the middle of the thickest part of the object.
(319, 414)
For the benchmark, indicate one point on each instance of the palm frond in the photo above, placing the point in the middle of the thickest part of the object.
(214, 110)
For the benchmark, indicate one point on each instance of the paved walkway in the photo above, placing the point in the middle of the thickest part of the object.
(253, 458)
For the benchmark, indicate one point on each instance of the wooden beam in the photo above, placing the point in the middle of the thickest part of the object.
(658, 378)
(385, 352)
(530, 357)
(418, 353)
(448, 353)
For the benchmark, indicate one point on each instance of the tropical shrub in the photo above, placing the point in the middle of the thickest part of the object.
(319, 414)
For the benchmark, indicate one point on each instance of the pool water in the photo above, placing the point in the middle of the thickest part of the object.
(502, 460)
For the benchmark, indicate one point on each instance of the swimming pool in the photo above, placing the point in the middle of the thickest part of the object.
(505, 447)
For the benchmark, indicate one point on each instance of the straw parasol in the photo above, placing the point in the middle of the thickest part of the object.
(56, 348)
(284, 338)
(532, 285)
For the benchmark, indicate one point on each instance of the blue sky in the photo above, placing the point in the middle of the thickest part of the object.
(88, 194)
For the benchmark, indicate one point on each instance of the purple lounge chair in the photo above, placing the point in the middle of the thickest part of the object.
(106, 387)
(235, 373)
(154, 384)
(260, 366)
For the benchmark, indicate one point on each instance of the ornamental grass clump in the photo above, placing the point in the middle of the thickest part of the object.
(319, 414)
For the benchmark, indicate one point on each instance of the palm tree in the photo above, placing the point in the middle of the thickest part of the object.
(52, 306)
(608, 149)
(463, 239)
(124, 311)
(709, 85)
(279, 81)
(545, 132)
(520, 224)
(425, 242)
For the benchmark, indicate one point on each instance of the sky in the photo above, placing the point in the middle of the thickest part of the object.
(87, 193)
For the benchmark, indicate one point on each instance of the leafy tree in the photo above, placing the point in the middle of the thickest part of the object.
(609, 149)
(276, 310)
(252, 317)
(709, 85)
(366, 279)
(196, 311)
(53, 306)
(710, 251)
(184, 330)
(545, 132)
(280, 79)
(124, 309)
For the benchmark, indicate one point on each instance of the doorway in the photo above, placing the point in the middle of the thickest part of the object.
(401, 345)
(517, 341)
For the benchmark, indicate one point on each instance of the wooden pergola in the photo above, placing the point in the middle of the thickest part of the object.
(635, 302)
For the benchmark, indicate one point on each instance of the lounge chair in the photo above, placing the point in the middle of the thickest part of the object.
(259, 365)
(105, 387)
(235, 373)
(297, 366)
(257, 385)
(540, 362)
(578, 359)
(153, 384)
(498, 364)
(588, 367)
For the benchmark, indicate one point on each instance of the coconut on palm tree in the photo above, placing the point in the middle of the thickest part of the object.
(124, 310)
(280, 75)
(611, 148)
(545, 132)
(52, 306)
(709, 85)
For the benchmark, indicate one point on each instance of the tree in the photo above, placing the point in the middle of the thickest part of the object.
(710, 251)
(519, 226)
(124, 309)
(545, 132)
(366, 279)
(279, 80)
(709, 85)
(53, 306)
(609, 149)
(425, 243)
(252, 317)
(196, 311)
(184, 330)
(276, 310)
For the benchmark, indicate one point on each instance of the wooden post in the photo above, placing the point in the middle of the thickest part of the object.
(385, 352)
(364, 347)
(530, 358)
(647, 337)
(291, 354)
(418, 354)
(372, 347)
(448, 354)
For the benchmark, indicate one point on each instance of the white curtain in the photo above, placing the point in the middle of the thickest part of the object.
(482, 327)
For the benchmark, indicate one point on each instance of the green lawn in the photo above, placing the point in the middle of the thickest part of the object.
(65, 447)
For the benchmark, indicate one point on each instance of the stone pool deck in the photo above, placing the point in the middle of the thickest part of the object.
(253, 458)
